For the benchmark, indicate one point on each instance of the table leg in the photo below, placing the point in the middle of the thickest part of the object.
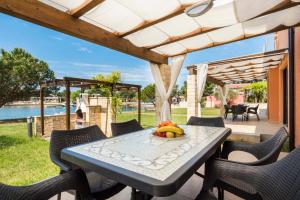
(139, 195)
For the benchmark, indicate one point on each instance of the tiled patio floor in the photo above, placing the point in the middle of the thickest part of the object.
(189, 190)
(251, 130)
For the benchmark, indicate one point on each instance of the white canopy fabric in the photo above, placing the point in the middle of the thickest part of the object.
(175, 67)
(227, 21)
(201, 81)
(245, 69)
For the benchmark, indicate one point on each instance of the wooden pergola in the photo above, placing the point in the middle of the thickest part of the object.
(155, 30)
(69, 82)
(243, 69)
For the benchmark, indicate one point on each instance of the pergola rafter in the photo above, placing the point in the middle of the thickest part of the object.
(85, 7)
(243, 69)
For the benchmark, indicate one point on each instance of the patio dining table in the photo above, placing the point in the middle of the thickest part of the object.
(156, 166)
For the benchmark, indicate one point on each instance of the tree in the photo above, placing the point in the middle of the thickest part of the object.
(104, 90)
(20, 75)
(258, 90)
(209, 89)
(148, 94)
(74, 95)
(183, 90)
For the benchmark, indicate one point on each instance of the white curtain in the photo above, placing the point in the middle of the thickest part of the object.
(201, 80)
(175, 67)
(223, 93)
(224, 90)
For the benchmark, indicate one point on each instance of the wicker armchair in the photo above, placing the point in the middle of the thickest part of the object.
(125, 127)
(276, 181)
(253, 110)
(209, 121)
(72, 180)
(100, 186)
(239, 110)
(266, 152)
(227, 110)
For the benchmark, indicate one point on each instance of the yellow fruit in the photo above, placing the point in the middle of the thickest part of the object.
(170, 134)
(170, 129)
(178, 135)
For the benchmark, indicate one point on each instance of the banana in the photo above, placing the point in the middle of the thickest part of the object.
(170, 129)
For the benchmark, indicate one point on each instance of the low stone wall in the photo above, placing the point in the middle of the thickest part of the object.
(95, 115)
(52, 122)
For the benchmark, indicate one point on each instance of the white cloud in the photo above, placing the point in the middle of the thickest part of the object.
(84, 49)
(56, 38)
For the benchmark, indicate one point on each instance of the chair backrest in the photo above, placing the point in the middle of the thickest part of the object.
(206, 121)
(270, 149)
(61, 139)
(239, 109)
(226, 107)
(125, 127)
(280, 180)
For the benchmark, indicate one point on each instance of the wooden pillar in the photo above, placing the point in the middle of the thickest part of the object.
(42, 110)
(139, 105)
(68, 112)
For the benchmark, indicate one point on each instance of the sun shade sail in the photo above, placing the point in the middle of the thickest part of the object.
(163, 27)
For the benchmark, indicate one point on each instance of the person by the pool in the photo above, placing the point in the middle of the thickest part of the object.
(79, 122)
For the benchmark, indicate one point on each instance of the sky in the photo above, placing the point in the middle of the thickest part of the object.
(73, 57)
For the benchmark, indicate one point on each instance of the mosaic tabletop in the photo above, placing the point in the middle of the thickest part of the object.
(149, 155)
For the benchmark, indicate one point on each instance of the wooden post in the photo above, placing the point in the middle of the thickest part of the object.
(291, 72)
(68, 112)
(139, 105)
(42, 110)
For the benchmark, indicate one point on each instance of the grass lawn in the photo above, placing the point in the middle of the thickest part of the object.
(24, 161)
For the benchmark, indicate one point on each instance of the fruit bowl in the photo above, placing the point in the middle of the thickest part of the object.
(168, 129)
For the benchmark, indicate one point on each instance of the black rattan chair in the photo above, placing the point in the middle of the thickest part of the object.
(100, 186)
(206, 121)
(276, 181)
(125, 127)
(239, 110)
(227, 110)
(253, 110)
(72, 180)
(266, 152)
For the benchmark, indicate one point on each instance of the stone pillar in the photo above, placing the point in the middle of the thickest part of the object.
(105, 115)
(165, 71)
(192, 102)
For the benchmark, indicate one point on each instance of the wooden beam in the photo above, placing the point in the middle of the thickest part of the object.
(68, 104)
(215, 81)
(42, 110)
(85, 7)
(47, 16)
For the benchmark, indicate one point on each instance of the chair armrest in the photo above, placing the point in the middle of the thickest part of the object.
(230, 146)
(72, 180)
(61, 165)
(218, 169)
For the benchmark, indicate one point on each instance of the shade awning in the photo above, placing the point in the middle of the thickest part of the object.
(155, 30)
(163, 27)
(246, 68)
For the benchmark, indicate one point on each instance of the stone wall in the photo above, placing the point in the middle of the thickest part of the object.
(97, 113)
(52, 122)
